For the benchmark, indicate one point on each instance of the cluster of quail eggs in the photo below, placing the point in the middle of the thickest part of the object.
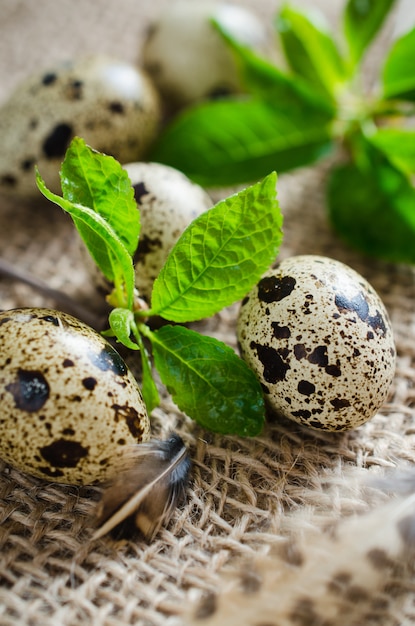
(69, 403)
(116, 106)
(320, 341)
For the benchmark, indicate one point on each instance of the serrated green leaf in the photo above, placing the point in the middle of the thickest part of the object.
(220, 255)
(208, 381)
(362, 21)
(99, 182)
(310, 49)
(398, 145)
(371, 205)
(118, 262)
(398, 74)
(235, 141)
(121, 323)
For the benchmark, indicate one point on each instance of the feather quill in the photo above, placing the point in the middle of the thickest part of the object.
(148, 488)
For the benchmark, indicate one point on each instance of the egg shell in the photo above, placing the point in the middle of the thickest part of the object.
(320, 341)
(111, 104)
(188, 59)
(69, 404)
(168, 202)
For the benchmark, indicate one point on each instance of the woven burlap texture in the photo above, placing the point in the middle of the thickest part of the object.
(243, 492)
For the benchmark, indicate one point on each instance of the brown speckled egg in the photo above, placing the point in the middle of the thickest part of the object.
(68, 402)
(168, 202)
(320, 341)
(111, 104)
(187, 58)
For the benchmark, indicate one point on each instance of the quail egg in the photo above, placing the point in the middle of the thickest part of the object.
(168, 202)
(111, 104)
(187, 58)
(320, 341)
(69, 404)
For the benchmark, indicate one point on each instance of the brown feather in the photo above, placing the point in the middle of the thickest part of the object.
(149, 490)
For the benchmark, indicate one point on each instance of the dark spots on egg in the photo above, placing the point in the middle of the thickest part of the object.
(117, 108)
(300, 351)
(131, 417)
(219, 91)
(89, 383)
(30, 390)
(8, 180)
(68, 363)
(57, 142)
(340, 403)
(319, 356)
(51, 473)
(108, 360)
(360, 306)
(306, 388)
(64, 453)
(280, 332)
(303, 414)
(50, 318)
(140, 191)
(74, 90)
(275, 368)
(333, 370)
(146, 246)
(275, 288)
(49, 79)
(27, 164)
(5, 320)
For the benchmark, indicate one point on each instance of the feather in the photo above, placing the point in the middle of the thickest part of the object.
(345, 575)
(148, 487)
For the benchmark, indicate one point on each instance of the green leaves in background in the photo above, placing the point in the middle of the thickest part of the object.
(208, 381)
(398, 71)
(399, 147)
(220, 255)
(310, 50)
(371, 204)
(280, 126)
(362, 21)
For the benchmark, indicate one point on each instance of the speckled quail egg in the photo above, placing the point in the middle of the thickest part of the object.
(187, 58)
(168, 202)
(320, 341)
(68, 403)
(111, 104)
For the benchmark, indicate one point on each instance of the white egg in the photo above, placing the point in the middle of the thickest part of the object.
(111, 104)
(320, 341)
(69, 404)
(187, 58)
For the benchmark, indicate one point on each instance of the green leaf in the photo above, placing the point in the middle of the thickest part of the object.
(116, 260)
(310, 49)
(264, 80)
(372, 207)
(398, 145)
(398, 74)
(208, 381)
(220, 255)
(99, 182)
(362, 21)
(149, 389)
(122, 324)
(233, 141)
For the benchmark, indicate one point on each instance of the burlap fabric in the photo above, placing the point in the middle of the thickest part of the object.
(243, 493)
